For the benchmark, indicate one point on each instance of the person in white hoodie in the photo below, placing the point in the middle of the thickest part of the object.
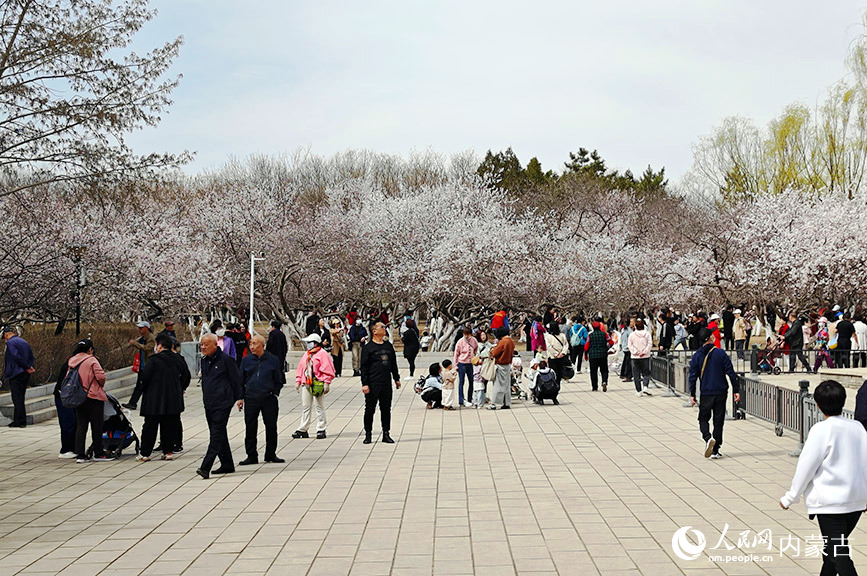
(832, 476)
(640, 345)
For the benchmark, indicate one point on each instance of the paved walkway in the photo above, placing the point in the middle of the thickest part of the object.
(597, 485)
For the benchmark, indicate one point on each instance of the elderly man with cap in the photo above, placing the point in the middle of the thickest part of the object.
(313, 379)
(263, 379)
(17, 370)
(221, 388)
(711, 367)
(739, 333)
(145, 346)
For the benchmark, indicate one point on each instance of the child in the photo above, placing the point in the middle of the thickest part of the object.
(425, 341)
(433, 387)
(479, 387)
(832, 475)
(449, 375)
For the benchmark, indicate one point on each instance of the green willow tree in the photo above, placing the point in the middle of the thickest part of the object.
(71, 90)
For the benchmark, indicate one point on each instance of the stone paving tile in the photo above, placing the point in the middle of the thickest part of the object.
(597, 485)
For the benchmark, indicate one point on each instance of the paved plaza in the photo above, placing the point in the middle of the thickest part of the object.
(596, 485)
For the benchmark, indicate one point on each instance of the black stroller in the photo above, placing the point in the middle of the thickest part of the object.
(117, 431)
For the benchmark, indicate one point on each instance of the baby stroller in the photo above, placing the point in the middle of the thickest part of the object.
(117, 431)
(768, 359)
(517, 372)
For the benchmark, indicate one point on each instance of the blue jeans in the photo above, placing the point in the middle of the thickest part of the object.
(464, 370)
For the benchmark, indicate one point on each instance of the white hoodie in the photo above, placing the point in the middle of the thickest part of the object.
(831, 471)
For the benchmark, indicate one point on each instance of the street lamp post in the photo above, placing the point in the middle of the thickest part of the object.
(253, 259)
(78, 251)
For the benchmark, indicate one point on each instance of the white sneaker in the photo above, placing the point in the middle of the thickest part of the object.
(67, 455)
(141, 458)
(646, 391)
(638, 394)
(708, 448)
(82, 460)
(716, 456)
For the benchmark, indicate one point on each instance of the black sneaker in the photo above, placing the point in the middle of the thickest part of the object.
(246, 462)
(274, 460)
(386, 437)
(130, 406)
(205, 475)
(320, 435)
(300, 434)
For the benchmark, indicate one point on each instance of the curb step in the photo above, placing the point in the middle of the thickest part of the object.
(39, 400)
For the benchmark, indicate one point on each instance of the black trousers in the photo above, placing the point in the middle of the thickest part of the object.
(411, 361)
(380, 394)
(729, 341)
(137, 391)
(792, 360)
(836, 529)
(841, 357)
(338, 365)
(18, 384)
(90, 413)
(269, 407)
(179, 433)
(626, 367)
(66, 419)
(712, 406)
(641, 373)
(599, 365)
(168, 436)
(434, 397)
(557, 365)
(218, 420)
(862, 356)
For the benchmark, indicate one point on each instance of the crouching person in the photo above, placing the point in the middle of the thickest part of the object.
(433, 387)
(545, 384)
(832, 476)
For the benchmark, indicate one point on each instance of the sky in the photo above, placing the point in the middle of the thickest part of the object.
(641, 82)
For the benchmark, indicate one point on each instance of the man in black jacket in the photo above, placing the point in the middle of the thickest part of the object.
(378, 367)
(795, 339)
(221, 388)
(728, 318)
(162, 399)
(263, 379)
(711, 367)
(277, 343)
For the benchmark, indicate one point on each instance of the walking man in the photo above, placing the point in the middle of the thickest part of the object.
(162, 400)
(596, 351)
(18, 366)
(221, 388)
(357, 336)
(263, 379)
(378, 367)
(795, 339)
(626, 366)
(711, 367)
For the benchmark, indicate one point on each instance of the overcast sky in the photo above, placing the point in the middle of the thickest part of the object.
(639, 81)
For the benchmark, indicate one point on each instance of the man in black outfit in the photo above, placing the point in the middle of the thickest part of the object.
(162, 399)
(845, 333)
(277, 343)
(728, 318)
(221, 388)
(711, 367)
(378, 367)
(795, 339)
(263, 379)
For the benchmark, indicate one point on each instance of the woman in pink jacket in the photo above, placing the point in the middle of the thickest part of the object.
(640, 345)
(313, 378)
(90, 412)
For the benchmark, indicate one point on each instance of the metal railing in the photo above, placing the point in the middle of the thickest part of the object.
(786, 409)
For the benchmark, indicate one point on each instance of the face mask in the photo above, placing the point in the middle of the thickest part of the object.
(311, 345)
(221, 332)
(358, 322)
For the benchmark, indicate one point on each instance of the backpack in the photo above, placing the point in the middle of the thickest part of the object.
(574, 340)
(546, 385)
(72, 393)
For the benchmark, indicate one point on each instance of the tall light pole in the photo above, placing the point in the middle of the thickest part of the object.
(77, 251)
(251, 321)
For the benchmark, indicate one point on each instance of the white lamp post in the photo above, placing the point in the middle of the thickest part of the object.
(253, 259)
